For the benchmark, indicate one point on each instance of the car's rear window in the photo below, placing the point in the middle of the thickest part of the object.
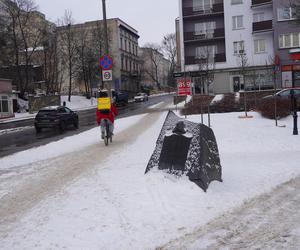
(50, 111)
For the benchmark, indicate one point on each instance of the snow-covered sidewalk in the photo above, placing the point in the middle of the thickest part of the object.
(269, 221)
(79, 194)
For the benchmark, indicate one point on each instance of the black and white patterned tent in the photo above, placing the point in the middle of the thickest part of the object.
(202, 161)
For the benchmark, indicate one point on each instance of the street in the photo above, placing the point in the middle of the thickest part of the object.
(26, 138)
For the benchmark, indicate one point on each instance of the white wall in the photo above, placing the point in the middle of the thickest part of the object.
(246, 33)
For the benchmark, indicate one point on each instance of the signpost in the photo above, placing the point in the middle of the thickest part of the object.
(106, 64)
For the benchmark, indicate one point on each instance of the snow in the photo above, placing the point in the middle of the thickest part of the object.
(61, 147)
(79, 102)
(114, 205)
(217, 98)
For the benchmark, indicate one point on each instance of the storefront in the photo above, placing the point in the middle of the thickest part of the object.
(6, 99)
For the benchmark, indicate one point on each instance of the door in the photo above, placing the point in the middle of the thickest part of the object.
(236, 83)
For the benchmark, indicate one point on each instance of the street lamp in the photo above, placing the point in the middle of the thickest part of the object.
(295, 56)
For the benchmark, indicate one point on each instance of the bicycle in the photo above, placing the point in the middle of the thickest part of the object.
(107, 134)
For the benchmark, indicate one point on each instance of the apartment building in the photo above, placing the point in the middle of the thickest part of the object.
(286, 43)
(236, 34)
(123, 48)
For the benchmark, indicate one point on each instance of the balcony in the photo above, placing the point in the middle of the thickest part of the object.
(263, 26)
(257, 3)
(193, 60)
(216, 9)
(209, 35)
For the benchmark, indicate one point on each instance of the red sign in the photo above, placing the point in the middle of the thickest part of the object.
(184, 86)
(286, 68)
(295, 56)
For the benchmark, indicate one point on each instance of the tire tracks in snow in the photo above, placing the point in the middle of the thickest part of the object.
(51, 175)
(269, 221)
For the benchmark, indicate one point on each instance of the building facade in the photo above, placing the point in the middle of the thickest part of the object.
(155, 68)
(242, 38)
(123, 48)
(6, 98)
(286, 43)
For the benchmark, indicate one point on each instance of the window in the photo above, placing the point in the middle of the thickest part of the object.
(289, 40)
(205, 52)
(258, 17)
(206, 29)
(236, 1)
(238, 47)
(121, 43)
(237, 22)
(286, 13)
(4, 104)
(259, 46)
(202, 5)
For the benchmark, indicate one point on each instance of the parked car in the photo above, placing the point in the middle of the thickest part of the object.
(141, 97)
(121, 98)
(285, 93)
(58, 117)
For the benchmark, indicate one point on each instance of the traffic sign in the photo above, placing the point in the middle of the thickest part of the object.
(107, 75)
(106, 62)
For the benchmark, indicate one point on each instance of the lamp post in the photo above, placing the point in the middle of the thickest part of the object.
(106, 39)
(294, 56)
(294, 101)
(105, 26)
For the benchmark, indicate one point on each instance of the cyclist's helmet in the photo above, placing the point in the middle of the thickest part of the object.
(103, 93)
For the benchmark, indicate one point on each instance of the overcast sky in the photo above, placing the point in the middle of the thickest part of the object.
(152, 19)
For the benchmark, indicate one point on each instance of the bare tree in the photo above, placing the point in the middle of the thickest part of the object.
(170, 51)
(50, 61)
(295, 5)
(69, 48)
(153, 53)
(26, 33)
(205, 59)
(272, 74)
(97, 50)
(242, 61)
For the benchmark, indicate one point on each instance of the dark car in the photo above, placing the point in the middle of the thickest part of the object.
(285, 93)
(58, 117)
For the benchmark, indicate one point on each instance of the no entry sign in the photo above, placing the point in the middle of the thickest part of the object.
(184, 86)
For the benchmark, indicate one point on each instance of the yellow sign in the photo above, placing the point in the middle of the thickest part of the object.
(104, 103)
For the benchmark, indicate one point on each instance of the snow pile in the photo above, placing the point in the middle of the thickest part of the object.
(79, 102)
(217, 98)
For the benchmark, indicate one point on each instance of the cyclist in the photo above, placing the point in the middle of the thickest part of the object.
(106, 114)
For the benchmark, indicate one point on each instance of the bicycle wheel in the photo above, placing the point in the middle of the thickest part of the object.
(106, 136)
